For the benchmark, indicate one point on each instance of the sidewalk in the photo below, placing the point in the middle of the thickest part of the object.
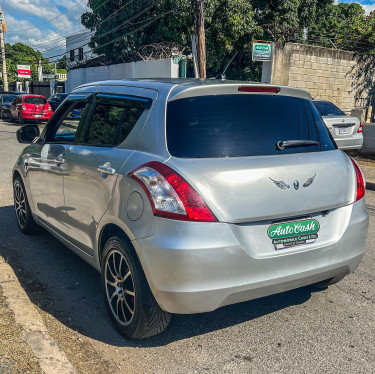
(25, 344)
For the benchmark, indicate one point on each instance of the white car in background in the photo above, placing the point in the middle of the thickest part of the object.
(346, 130)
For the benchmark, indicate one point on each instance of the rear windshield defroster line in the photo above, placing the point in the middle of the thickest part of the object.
(242, 125)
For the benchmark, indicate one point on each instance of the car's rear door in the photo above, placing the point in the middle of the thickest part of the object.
(93, 163)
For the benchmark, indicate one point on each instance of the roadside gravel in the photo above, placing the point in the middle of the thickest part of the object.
(13, 345)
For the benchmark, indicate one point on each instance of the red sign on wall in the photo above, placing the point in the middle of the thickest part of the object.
(24, 71)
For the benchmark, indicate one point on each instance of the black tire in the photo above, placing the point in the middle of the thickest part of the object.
(11, 118)
(1, 114)
(129, 300)
(21, 121)
(329, 282)
(24, 217)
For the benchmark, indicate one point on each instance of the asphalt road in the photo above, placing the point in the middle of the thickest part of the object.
(300, 331)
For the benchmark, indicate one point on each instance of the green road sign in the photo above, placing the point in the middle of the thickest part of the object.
(262, 51)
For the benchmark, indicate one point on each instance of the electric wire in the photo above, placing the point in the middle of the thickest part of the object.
(50, 20)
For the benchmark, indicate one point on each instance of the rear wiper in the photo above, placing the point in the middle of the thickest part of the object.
(282, 144)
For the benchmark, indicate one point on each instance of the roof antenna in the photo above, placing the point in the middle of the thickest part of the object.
(222, 75)
(315, 96)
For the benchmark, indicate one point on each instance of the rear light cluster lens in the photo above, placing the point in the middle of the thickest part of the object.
(360, 129)
(170, 195)
(361, 184)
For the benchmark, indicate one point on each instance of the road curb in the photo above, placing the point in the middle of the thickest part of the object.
(51, 358)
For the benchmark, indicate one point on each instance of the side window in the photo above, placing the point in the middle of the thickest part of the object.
(104, 124)
(113, 120)
(132, 116)
(67, 128)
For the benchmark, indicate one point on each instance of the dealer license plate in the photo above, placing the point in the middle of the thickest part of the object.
(38, 115)
(289, 234)
(344, 131)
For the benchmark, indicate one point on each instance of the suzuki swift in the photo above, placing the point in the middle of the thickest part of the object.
(190, 195)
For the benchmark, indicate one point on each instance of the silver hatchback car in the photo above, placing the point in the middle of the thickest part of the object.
(190, 195)
(346, 130)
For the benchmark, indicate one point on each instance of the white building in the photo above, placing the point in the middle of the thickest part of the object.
(77, 50)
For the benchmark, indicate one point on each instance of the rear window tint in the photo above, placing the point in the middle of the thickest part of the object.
(35, 100)
(8, 99)
(242, 125)
(325, 108)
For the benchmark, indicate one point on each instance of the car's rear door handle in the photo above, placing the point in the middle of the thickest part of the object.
(106, 169)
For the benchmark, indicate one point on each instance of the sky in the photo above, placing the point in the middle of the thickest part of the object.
(22, 17)
(25, 22)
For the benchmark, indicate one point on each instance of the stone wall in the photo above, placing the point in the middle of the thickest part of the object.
(328, 74)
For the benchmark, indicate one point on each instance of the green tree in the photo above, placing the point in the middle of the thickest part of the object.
(61, 63)
(21, 54)
(288, 20)
(230, 27)
(334, 25)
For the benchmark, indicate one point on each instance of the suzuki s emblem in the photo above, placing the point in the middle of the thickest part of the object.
(296, 185)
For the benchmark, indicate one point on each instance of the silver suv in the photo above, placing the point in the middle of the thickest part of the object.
(191, 195)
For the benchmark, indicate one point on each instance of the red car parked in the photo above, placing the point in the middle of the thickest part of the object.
(30, 108)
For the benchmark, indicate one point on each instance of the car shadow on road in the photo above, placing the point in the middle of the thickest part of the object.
(64, 286)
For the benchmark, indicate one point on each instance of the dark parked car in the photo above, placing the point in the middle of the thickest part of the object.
(56, 100)
(5, 103)
(12, 93)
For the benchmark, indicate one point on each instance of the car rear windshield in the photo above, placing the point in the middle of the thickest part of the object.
(243, 125)
(35, 100)
(8, 98)
(325, 108)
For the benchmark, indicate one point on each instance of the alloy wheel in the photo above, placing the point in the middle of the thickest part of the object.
(20, 204)
(119, 287)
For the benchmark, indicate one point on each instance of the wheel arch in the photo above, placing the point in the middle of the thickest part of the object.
(109, 230)
(17, 174)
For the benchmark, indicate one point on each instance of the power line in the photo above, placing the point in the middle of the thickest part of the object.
(150, 21)
(100, 23)
(50, 20)
(62, 40)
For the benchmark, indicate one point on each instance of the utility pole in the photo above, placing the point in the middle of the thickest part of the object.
(198, 10)
(2, 47)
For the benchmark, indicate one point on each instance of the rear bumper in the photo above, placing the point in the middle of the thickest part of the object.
(34, 117)
(198, 267)
(353, 143)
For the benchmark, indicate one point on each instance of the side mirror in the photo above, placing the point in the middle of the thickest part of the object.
(27, 134)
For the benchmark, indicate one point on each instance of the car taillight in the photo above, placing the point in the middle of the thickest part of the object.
(23, 107)
(49, 108)
(360, 128)
(361, 184)
(170, 195)
(259, 89)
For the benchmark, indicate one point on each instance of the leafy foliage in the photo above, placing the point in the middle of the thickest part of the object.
(231, 25)
(332, 25)
(21, 54)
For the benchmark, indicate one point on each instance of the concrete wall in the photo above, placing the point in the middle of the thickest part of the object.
(164, 68)
(328, 74)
